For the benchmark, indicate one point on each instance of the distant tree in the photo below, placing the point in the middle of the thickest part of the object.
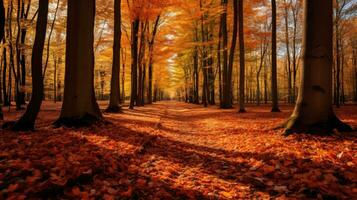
(79, 106)
(27, 121)
(114, 103)
(313, 112)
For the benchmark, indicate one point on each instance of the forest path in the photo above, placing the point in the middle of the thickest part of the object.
(213, 153)
(173, 150)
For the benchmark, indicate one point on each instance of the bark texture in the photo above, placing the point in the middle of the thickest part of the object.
(27, 121)
(79, 106)
(313, 112)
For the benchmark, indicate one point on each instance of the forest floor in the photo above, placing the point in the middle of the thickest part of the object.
(173, 150)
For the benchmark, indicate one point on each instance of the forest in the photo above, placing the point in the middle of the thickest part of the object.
(178, 99)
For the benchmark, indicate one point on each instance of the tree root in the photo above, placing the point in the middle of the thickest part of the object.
(295, 126)
(78, 122)
(114, 109)
(242, 111)
(276, 110)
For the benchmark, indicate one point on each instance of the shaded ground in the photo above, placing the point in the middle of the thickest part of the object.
(174, 150)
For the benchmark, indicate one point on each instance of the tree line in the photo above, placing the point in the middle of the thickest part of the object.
(320, 65)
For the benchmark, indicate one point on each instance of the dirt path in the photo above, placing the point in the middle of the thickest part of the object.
(173, 150)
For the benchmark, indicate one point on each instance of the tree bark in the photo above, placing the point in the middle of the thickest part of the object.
(2, 33)
(287, 42)
(226, 87)
(79, 106)
(241, 58)
(27, 121)
(134, 62)
(151, 59)
(114, 103)
(274, 76)
(313, 112)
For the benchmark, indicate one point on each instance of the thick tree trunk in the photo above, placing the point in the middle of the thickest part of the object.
(313, 112)
(114, 103)
(27, 121)
(79, 106)
(274, 75)
(134, 62)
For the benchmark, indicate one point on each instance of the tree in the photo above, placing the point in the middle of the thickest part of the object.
(241, 58)
(27, 121)
(2, 33)
(274, 76)
(134, 61)
(114, 103)
(79, 106)
(151, 58)
(313, 112)
(226, 97)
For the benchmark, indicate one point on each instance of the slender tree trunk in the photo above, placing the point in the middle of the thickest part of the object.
(114, 103)
(55, 79)
(241, 58)
(49, 38)
(79, 106)
(4, 85)
(287, 42)
(27, 121)
(219, 66)
(195, 67)
(2, 34)
(226, 97)
(151, 59)
(338, 58)
(274, 76)
(264, 47)
(204, 59)
(134, 62)
(24, 16)
(122, 100)
(313, 112)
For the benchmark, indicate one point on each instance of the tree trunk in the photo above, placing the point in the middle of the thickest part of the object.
(151, 59)
(195, 70)
(27, 121)
(313, 112)
(79, 106)
(241, 58)
(134, 62)
(287, 42)
(4, 87)
(2, 33)
(122, 100)
(338, 58)
(114, 103)
(274, 76)
(226, 87)
(219, 66)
